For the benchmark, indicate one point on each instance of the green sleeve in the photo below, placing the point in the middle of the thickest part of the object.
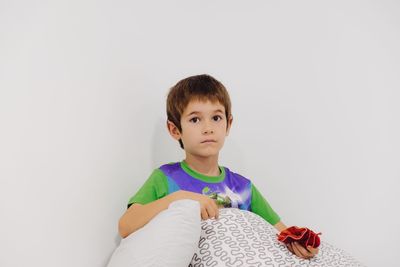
(154, 188)
(261, 207)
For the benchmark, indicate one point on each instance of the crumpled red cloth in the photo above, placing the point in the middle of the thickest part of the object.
(304, 236)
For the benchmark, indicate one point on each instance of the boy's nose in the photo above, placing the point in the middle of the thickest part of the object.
(207, 127)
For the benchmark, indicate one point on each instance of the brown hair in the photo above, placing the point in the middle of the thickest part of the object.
(199, 87)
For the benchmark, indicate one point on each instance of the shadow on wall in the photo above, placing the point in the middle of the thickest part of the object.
(117, 241)
(165, 149)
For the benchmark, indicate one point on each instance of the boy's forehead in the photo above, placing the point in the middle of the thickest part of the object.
(198, 106)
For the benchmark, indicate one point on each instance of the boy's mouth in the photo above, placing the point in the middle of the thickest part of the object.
(208, 141)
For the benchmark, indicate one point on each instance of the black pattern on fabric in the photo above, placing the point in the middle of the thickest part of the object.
(242, 238)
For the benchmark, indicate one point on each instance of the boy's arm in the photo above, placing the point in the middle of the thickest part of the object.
(261, 207)
(138, 215)
(153, 196)
(280, 226)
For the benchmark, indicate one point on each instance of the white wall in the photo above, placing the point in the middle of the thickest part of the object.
(315, 91)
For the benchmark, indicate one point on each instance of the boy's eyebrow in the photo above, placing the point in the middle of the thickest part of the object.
(198, 112)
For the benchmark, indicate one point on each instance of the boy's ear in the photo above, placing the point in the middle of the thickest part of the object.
(229, 124)
(173, 130)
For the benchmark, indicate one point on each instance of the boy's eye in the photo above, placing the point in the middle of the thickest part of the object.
(194, 119)
(197, 119)
(217, 118)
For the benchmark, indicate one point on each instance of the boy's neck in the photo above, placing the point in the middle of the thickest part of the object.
(206, 166)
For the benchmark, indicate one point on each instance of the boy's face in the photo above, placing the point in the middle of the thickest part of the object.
(204, 128)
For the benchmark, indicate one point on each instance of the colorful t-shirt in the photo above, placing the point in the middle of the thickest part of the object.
(229, 189)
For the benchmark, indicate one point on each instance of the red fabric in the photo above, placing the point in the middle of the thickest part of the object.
(304, 236)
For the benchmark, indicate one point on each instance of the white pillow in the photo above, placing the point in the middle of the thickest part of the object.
(168, 240)
(242, 238)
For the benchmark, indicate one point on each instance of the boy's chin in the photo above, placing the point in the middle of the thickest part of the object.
(206, 154)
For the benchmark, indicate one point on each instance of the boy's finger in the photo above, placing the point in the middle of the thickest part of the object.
(314, 251)
(211, 212)
(303, 252)
(296, 250)
(216, 209)
(289, 246)
(204, 214)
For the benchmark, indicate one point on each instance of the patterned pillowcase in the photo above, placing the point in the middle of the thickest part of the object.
(243, 238)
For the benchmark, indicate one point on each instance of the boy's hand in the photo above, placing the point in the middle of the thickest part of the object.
(208, 207)
(301, 251)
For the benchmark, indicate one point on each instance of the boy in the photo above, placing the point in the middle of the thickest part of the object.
(199, 117)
